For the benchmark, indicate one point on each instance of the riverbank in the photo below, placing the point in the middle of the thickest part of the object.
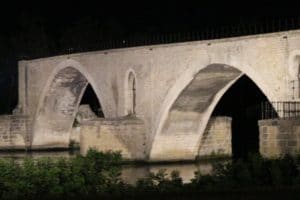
(131, 171)
(98, 176)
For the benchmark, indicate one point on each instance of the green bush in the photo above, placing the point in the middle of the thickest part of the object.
(97, 176)
(253, 172)
(49, 178)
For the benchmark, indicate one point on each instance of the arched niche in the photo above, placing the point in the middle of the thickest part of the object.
(130, 93)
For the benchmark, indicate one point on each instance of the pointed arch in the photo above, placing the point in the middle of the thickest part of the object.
(190, 105)
(58, 105)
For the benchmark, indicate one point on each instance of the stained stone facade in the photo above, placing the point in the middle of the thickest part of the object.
(216, 140)
(126, 135)
(172, 88)
(279, 137)
(84, 113)
(13, 132)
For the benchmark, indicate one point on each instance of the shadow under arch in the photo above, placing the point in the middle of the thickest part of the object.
(179, 134)
(58, 106)
(242, 102)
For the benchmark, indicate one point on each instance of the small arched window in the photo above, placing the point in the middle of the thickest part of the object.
(294, 62)
(298, 79)
(131, 94)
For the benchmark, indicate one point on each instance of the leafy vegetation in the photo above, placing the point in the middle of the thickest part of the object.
(97, 176)
(48, 178)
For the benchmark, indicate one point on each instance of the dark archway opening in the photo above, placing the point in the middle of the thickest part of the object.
(242, 102)
(89, 97)
(89, 109)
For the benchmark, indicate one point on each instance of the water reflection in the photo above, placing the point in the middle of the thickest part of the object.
(20, 155)
(130, 172)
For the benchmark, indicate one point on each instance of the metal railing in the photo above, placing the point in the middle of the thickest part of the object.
(203, 32)
(280, 109)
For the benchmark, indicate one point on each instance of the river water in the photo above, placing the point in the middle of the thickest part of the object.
(130, 172)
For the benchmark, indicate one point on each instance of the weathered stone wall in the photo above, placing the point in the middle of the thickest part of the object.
(13, 131)
(124, 134)
(162, 73)
(84, 113)
(75, 135)
(279, 136)
(191, 111)
(179, 147)
(216, 139)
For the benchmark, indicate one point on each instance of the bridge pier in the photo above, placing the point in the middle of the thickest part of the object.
(126, 134)
(215, 142)
(278, 137)
(14, 132)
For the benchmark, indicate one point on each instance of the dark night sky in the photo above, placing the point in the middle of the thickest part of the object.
(134, 17)
(45, 28)
(130, 17)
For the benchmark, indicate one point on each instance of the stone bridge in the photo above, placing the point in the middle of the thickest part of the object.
(157, 100)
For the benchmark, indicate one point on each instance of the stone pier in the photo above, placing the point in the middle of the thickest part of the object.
(13, 132)
(278, 137)
(126, 135)
(216, 140)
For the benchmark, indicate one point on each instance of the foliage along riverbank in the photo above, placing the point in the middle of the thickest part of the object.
(97, 176)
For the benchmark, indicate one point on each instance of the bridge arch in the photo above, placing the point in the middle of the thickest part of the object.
(58, 105)
(188, 107)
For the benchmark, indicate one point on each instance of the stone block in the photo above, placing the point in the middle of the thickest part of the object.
(292, 143)
(282, 136)
(217, 140)
(282, 143)
(12, 132)
(265, 130)
(264, 136)
(108, 135)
